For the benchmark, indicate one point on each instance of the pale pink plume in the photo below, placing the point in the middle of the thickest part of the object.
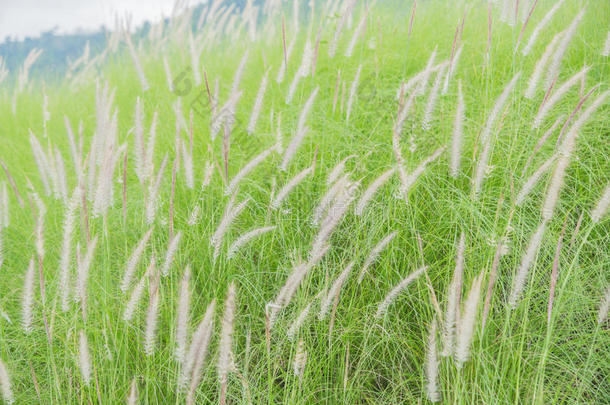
(395, 292)
(225, 345)
(432, 365)
(465, 327)
(374, 254)
(5, 384)
(454, 294)
(521, 276)
(601, 208)
(84, 358)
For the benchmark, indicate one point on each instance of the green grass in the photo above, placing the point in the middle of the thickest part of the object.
(516, 359)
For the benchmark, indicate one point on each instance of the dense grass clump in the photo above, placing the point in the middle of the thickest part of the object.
(330, 202)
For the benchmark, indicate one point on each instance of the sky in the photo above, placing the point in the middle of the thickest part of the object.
(21, 18)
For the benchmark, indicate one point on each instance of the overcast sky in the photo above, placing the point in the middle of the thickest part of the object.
(21, 18)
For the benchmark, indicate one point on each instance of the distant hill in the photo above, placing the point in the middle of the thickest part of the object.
(60, 50)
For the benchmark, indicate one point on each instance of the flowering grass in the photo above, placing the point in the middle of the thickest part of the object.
(296, 115)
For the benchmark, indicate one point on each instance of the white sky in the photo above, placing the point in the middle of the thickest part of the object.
(20, 18)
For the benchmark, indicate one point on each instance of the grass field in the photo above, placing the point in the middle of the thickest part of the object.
(508, 307)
